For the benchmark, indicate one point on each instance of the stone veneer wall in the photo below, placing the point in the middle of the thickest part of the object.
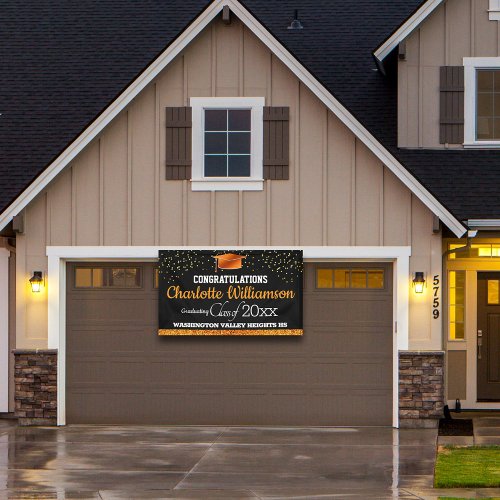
(421, 388)
(35, 375)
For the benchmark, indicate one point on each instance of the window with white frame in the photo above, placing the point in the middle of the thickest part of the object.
(482, 102)
(227, 143)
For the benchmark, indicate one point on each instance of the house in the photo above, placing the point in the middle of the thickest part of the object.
(363, 134)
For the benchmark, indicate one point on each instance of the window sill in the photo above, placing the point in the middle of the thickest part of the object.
(482, 145)
(227, 185)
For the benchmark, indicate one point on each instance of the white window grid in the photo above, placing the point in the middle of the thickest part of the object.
(227, 132)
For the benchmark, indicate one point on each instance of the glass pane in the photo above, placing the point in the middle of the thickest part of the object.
(495, 251)
(496, 80)
(239, 166)
(453, 331)
(118, 278)
(457, 305)
(83, 277)
(481, 250)
(484, 81)
(132, 278)
(341, 278)
(216, 119)
(239, 143)
(493, 292)
(453, 279)
(239, 119)
(460, 279)
(376, 279)
(215, 143)
(453, 246)
(324, 278)
(484, 128)
(485, 105)
(459, 331)
(358, 279)
(215, 166)
(453, 314)
(98, 278)
(459, 296)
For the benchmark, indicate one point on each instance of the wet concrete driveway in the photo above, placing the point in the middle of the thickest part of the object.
(111, 462)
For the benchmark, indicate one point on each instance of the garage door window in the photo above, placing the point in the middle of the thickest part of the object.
(357, 278)
(99, 277)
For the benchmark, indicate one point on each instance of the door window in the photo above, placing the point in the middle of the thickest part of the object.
(493, 292)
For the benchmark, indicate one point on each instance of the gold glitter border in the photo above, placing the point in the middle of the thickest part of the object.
(228, 333)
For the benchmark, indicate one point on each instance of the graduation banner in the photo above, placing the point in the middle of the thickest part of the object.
(207, 292)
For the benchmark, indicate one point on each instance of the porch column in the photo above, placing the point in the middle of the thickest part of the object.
(4, 330)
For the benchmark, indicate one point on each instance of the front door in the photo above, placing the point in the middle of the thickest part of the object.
(488, 336)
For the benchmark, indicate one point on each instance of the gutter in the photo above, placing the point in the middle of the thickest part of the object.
(484, 224)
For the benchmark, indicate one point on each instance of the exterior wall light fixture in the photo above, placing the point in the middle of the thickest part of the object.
(419, 282)
(36, 281)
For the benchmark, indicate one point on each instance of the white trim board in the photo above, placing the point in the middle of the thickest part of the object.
(255, 182)
(471, 66)
(292, 64)
(59, 256)
(412, 23)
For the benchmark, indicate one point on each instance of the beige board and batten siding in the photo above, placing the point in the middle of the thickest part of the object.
(116, 193)
(456, 29)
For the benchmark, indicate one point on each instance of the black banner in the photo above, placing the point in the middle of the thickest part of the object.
(207, 292)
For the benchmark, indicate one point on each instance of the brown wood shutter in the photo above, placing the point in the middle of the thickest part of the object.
(451, 124)
(276, 142)
(178, 145)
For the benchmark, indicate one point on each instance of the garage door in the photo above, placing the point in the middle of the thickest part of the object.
(120, 371)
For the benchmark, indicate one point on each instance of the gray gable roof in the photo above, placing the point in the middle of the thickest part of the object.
(64, 62)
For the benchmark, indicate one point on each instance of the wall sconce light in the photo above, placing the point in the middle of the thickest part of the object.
(36, 281)
(419, 282)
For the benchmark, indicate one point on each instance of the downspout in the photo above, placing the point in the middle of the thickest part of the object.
(470, 236)
(4, 243)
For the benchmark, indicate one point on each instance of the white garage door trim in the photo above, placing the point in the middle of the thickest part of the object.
(58, 256)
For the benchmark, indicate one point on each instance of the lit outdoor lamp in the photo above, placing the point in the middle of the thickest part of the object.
(36, 281)
(419, 282)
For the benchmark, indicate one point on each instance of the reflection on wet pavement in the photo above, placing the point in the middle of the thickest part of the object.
(110, 462)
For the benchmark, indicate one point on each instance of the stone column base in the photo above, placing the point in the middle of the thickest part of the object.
(35, 375)
(421, 388)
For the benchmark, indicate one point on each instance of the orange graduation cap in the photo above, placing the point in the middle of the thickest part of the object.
(229, 261)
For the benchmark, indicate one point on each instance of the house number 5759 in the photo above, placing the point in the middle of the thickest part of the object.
(435, 297)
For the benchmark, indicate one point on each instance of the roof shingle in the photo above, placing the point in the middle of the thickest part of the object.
(64, 62)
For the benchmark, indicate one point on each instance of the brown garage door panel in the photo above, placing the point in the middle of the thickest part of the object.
(224, 408)
(120, 371)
